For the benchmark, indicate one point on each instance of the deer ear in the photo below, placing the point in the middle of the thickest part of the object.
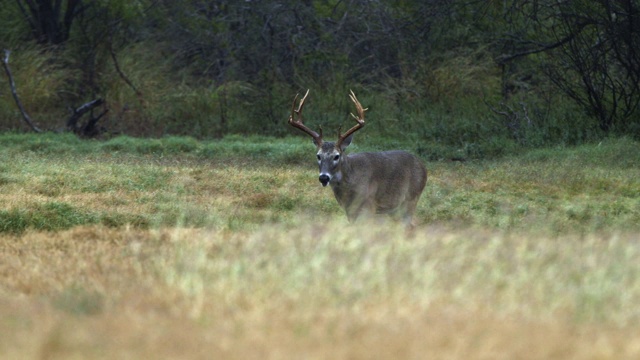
(317, 142)
(346, 142)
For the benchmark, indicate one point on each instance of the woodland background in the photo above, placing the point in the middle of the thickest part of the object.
(454, 77)
(194, 223)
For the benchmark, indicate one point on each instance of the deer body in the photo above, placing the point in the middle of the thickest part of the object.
(379, 183)
(367, 183)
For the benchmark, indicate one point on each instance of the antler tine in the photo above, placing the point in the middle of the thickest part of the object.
(299, 111)
(359, 119)
(359, 109)
(295, 119)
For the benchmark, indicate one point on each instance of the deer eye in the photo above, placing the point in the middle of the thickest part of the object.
(336, 158)
(318, 156)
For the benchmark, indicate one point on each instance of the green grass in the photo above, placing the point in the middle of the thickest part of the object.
(57, 181)
(175, 241)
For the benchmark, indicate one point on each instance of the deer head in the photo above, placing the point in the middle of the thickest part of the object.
(329, 154)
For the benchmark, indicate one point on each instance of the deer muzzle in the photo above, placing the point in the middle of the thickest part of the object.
(324, 179)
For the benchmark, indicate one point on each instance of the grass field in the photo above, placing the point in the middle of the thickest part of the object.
(175, 248)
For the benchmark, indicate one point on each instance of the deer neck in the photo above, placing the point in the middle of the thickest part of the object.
(341, 176)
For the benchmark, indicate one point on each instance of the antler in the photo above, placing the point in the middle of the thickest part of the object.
(297, 123)
(359, 119)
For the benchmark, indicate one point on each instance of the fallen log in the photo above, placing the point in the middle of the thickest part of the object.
(89, 129)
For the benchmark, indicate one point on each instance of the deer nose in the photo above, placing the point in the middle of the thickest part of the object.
(324, 179)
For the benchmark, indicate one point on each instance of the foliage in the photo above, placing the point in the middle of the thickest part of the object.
(53, 216)
(590, 50)
(468, 79)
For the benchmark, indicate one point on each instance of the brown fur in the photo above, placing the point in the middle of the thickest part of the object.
(368, 183)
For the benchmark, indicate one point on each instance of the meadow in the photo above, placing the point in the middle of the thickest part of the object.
(179, 248)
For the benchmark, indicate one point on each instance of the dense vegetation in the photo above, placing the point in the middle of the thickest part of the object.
(455, 77)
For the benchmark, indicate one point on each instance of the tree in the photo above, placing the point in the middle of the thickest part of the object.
(592, 53)
(85, 36)
(50, 20)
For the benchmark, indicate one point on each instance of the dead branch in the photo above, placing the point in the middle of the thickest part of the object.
(12, 84)
(513, 119)
(526, 113)
(89, 129)
(122, 75)
(542, 47)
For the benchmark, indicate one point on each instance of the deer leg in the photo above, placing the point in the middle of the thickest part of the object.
(407, 216)
(361, 209)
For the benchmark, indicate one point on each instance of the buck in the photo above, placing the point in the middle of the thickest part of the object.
(366, 183)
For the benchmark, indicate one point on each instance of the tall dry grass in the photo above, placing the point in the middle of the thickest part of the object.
(174, 248)
(325, 290)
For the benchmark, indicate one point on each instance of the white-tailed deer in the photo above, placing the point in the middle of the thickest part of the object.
(367, 183)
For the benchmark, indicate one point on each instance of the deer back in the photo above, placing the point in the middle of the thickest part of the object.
(379, 182)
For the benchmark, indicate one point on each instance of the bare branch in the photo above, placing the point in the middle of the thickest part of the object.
(90, 129)
(526, 112)
(12, 84)
(72, 123)
(122, 74)
(505, 58)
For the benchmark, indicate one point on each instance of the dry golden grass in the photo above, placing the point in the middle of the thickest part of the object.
(126, 255)
(94, 292)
